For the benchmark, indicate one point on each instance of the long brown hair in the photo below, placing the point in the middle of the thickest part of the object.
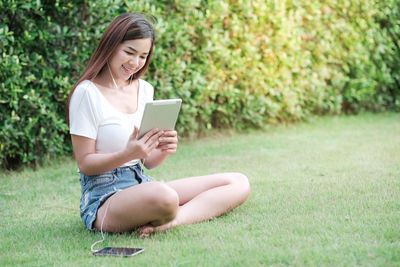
(126, 26)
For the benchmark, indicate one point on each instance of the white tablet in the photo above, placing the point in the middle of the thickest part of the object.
(161, 114)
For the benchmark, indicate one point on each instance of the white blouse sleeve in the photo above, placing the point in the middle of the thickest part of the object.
(83, 118)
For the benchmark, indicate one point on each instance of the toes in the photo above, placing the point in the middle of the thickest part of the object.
(145, 231)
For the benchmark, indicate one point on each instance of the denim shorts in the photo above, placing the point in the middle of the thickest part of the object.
(96, 189)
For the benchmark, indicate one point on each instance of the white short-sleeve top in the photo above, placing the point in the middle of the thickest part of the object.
(92, 115)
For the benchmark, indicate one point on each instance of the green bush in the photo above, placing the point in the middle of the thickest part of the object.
(235, 64)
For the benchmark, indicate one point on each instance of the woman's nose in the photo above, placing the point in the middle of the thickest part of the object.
(134, 61)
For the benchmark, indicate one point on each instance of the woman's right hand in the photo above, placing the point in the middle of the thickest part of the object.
(141, 148)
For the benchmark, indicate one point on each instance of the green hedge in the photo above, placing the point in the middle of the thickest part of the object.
(235, 64)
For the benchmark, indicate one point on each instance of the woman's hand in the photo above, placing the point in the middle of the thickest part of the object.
(167, 145)
(168, 142)
(142, 148)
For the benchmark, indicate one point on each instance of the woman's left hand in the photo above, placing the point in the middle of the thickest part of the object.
(168, 142)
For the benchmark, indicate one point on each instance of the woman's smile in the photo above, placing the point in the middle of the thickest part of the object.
(129, 71)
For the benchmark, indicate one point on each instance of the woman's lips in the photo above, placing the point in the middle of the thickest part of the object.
(128, 70)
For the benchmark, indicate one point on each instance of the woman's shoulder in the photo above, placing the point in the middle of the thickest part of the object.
(146, 84)
(147, 88)
(85, 90)
(85, 87)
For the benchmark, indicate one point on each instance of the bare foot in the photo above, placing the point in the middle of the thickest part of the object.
(146, 230)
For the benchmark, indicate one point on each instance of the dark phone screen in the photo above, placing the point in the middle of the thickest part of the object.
(110, 251)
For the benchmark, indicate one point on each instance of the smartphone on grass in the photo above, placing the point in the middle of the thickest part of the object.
(121, 252)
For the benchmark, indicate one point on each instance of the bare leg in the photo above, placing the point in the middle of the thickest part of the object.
(151, 203)
(205, 197)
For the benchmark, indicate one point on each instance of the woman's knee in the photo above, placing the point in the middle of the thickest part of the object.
(241, 182)
(164, 200)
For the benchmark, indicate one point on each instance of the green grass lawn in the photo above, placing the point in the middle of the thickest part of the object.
(326, 192)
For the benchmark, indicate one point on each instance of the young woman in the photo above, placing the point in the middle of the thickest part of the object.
(104, 110)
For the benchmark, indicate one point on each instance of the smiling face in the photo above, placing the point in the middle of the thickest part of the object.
(129, 57)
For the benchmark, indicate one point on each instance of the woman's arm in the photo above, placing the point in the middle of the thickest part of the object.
(91, 163)
(168, 144)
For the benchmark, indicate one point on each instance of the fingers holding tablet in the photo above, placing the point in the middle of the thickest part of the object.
(168, 142)
(142, 147)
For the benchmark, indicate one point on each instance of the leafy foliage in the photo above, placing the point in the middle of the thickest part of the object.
(235, 64)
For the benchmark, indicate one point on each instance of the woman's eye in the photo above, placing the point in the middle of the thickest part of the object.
(143, 57)
(129, 53)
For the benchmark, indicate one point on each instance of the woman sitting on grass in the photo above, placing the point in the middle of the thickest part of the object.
(105, 107)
